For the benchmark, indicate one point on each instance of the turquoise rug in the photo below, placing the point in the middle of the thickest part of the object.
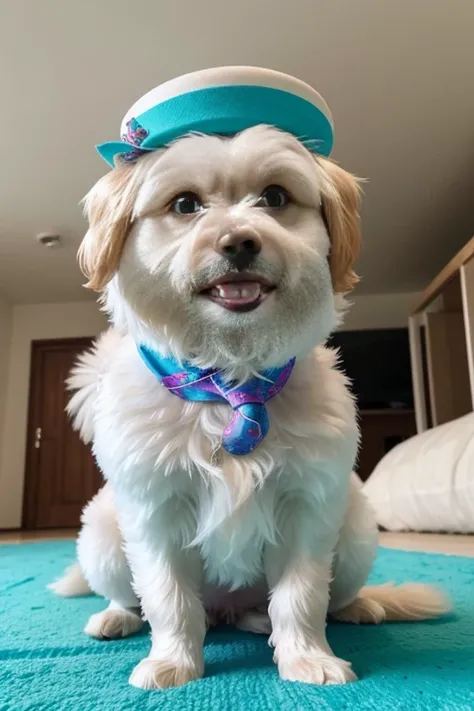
(47, 663)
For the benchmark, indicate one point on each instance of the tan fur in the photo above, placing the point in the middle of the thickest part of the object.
(341, 201)
(108, 208)
(390, 603)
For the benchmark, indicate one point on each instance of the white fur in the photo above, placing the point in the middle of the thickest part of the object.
(84, 381)
(193, 541)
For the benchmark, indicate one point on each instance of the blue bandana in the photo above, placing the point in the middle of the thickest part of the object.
(249, 424)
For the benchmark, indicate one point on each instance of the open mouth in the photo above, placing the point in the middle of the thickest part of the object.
(238, 292)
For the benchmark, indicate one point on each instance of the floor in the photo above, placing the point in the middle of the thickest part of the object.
(427, 542)
(30, 536)
(430, 543)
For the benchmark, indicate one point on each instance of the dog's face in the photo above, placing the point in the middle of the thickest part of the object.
(230, 250)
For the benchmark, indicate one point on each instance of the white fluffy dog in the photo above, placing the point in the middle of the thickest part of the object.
(231, 253)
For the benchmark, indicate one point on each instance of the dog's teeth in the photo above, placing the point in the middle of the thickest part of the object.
(251, 292)
(243, 291)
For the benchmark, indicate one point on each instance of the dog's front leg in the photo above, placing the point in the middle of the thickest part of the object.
(167, 579)
(298, 571)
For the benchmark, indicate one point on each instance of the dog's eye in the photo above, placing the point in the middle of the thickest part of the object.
(186, 204)
(274, 197)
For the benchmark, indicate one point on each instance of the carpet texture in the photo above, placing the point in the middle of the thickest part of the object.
(47, 663)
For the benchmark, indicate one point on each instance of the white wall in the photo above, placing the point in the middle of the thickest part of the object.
(6, 313)
(32, 323)
(379, 311)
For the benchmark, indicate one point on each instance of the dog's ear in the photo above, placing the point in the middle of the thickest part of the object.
(340, 205)
(108, 208)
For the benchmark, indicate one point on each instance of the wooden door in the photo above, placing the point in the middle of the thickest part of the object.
(61, 474)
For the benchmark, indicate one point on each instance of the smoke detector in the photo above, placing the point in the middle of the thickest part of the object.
(48, 240)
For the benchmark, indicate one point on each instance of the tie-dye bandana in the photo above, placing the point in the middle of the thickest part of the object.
(249, 423)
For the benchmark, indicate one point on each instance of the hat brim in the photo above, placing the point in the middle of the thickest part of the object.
(227, 110)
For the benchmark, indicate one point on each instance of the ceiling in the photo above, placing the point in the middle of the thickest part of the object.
(398, 76)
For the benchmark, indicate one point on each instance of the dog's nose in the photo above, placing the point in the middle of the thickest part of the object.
(239, 249)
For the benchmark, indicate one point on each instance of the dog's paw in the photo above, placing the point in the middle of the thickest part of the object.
(113, 624)
(162, 674)
(315, 668)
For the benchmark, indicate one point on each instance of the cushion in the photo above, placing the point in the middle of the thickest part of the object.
(427, 482)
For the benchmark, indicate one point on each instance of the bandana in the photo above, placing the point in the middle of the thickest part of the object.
(249, 424)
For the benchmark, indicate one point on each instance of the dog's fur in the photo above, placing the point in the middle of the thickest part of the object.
(270, 541)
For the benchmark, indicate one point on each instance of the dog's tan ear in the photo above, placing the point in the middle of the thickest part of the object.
(341, 201)
(108, 208)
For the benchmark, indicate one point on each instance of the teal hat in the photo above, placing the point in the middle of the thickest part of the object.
(224, 101)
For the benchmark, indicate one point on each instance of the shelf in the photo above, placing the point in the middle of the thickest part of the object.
(442, 344)
(445, 276)
(391, 411)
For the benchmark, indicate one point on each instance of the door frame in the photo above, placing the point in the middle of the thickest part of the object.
(34, 393)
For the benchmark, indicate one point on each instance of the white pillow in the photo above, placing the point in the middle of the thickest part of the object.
(427, 482)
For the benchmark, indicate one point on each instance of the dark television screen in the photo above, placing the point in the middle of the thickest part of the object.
(378, 364)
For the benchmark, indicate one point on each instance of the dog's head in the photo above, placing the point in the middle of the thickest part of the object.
(231, 251)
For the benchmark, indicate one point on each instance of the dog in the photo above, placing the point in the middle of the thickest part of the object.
(233, 254)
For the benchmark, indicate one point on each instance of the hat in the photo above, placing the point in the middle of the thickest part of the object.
(223, 101)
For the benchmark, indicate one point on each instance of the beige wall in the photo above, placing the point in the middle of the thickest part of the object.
(37, 322)
(6, 312)
(32, 323)
(380, 311)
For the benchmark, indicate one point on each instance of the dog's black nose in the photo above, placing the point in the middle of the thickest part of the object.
(239, 249)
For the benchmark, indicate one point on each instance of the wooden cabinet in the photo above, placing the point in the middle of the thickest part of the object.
(381, 430)
(442, 344)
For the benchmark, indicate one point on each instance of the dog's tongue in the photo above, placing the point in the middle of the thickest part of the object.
(239, 293)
